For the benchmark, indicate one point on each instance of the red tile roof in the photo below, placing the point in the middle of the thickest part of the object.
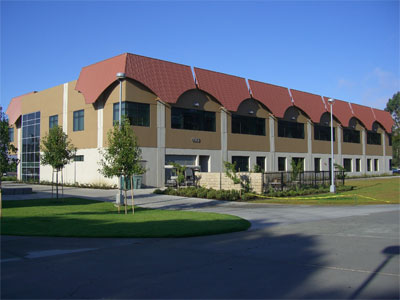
(384, 118)
(275, 98)
(229, 90)
(166, 79)
(14, 108)
(311, 104)
(364, 114)
(341, 110)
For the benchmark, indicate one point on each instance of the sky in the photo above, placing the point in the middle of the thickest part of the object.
(347, 50)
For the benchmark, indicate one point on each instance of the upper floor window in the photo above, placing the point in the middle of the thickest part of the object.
(53, 121)
(79, 117)
(323, 133)
(137, 113)
(351, 136)
(11, 134)
(290, 129)
(373, 138)
(248, 125)
(192, 119)
(390, 139)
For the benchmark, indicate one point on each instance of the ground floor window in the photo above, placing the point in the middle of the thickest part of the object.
(317, 164)
(376, 165)
(260, 162)
(297, 160)
(347, 164)
(204, 160)
(369, 165)
(282, 164)
(390, 164)
(242, 163)
(358, 165)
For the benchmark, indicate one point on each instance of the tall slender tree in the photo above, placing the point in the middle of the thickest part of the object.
(393, 106)
(57, 150)
(122, 156)
(6, 148)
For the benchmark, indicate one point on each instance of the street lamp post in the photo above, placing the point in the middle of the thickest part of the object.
(120, 76)
(332, 188)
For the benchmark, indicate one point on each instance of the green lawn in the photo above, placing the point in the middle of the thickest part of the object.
(75, 217)
(373, 191)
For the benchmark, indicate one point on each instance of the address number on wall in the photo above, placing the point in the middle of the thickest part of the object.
(196, 140)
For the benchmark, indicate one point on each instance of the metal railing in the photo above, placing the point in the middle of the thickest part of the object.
(288, 180)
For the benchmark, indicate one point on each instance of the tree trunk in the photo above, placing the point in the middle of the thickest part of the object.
(125, 201)
(133, 208)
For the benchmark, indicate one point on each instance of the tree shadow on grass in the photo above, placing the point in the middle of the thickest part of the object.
(48, 202)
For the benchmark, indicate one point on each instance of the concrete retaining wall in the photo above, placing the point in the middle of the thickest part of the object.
(219, 181)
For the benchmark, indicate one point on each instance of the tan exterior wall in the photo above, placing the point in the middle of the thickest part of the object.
(221, 181)
(88, 137)
(389, 149)
(49, 102)
(324, 147)
(248, 142)
(352, 148)
(16, 126)
(292, 145)
(182, 138)
(375, 149)
(132, 91)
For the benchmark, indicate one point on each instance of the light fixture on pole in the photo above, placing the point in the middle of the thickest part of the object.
(120, 76)
(332, 188)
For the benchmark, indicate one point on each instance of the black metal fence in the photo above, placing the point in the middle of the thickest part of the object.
(288, 180)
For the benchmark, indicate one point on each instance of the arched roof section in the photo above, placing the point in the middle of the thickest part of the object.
(384, 118)
(229, 90)
(166, 79)
(364, 114)
(341, 110)
(14, 108)
(313, 105)
(276, 98)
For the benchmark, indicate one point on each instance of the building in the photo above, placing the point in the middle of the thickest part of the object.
(198, 117)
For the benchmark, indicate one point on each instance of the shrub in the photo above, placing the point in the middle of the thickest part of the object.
(158, 191)
(220, 195)
(234, 195)
(202, 192)
(247, 196)
(211, 194)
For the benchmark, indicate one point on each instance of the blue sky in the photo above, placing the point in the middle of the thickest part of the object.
(348, 50)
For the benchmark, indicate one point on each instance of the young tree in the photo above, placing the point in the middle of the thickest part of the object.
(393, 106)
(122, 156)
(57, 150)
(6, 148)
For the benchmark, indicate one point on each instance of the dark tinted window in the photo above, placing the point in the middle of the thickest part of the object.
(11, 134)
(290, 129)
(323, 133)
(281, 163)
(242, 163)
(347, 164)
(248, 125)
(79, 120)
(137, 113)
(373, 138)
(192, 119)
(53, 121)
(351, 136)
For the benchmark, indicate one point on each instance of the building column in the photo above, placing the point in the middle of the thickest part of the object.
(271, 164)
(65, 109)
(339, 142)
(100, 110)
(19, 151)
(224, 137)
(309, 163)
(364, 157)
(160, 143)
(385, 166)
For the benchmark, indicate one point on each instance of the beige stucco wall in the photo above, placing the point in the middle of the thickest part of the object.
(249, 142)
(132, 91)
(49, 102)
(289, 144)
(86, 138)
(353, 148)
(182, 138)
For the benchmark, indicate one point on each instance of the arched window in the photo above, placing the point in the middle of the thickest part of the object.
(288, 127)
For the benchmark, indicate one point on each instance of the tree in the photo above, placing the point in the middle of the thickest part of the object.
(122, 156)
(6, 148)
(393, 106)
(57, 150)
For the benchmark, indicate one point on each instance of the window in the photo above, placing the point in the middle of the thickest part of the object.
(376, 165)
(298, 160)
(78, 158)
(317, 164)
(358, 165)
(79, 120)
(242, 163)
(369, 165)
(53, 121)
(192, 119)
(11, 134)
(290, 129)
(347, 164)
(323, 133)
(30, 154)
(137, 113)
(390, 164)
(248, 125)
(281, 163)
(260, 161)
(390, 139)
(351, 136)
(373, 138)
